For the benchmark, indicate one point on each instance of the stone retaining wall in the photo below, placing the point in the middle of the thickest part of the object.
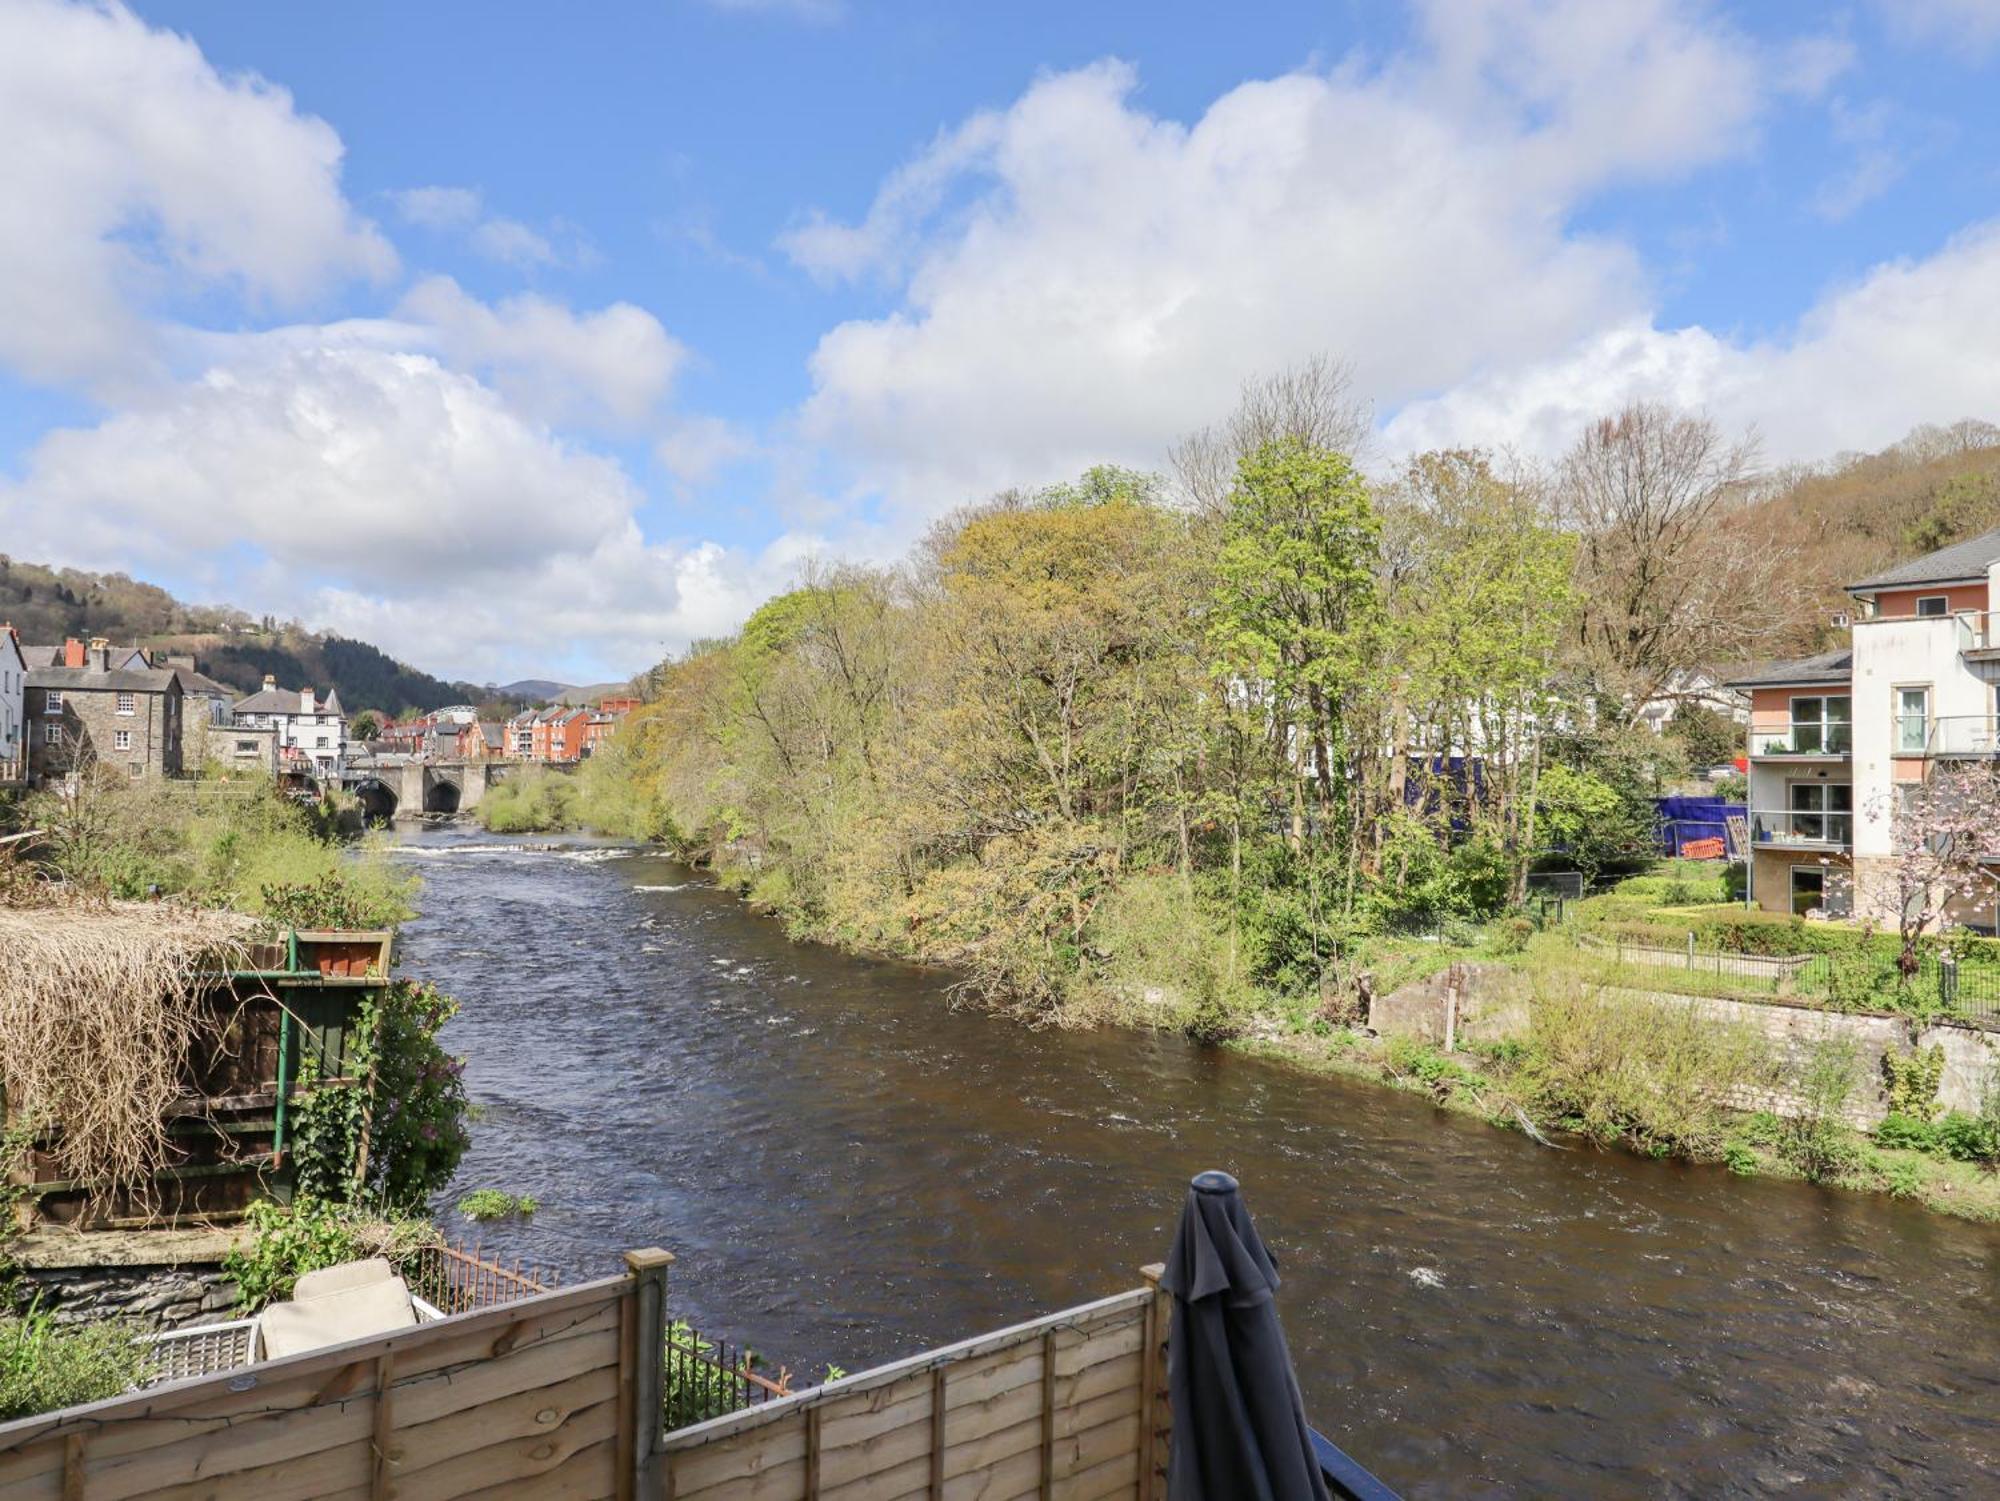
(157, 1297)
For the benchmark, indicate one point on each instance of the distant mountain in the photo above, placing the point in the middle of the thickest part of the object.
(536, 690)
(48, 604)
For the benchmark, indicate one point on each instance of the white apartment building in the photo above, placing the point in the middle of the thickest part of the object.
(1832, 737)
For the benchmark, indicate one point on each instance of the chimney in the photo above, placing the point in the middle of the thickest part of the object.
(269, 682)
(100, 654)
(72, 652)
(305, 701)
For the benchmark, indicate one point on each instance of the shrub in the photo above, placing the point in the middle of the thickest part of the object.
(1969, 1138)
(1419, 1060)
(1510, 935)
(1912, 1079)
(1740, 1159)
(1907, 1132)
(533, 801)
(290, 1240)
(45, 1366)
(1816, 1139)
(1656, 1074)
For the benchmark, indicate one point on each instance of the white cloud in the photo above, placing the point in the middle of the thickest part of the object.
(610, 368)
(132, 171)
(1958, 26)
(1087, 281)
(696, 449)
(1913, 341)
(438, 208)
(385, 494)
(450, 210)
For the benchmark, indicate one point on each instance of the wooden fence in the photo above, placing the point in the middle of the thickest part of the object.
(559, 1396)
(545, 1397)
(1072, 1406)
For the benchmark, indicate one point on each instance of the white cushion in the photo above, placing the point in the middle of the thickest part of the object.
(335, 1317)
(333, 1279)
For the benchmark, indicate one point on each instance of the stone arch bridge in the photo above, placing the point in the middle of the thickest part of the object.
(409, 786)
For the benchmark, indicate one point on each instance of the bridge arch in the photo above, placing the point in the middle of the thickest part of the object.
(378, 799)
(441, 795)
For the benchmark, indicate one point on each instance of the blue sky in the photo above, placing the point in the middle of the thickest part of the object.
(534, 341)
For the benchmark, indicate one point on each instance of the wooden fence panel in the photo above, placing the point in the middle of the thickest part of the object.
(1069, 1406)
(525, 1399)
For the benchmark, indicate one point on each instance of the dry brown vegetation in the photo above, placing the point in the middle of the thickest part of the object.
(100, 1004)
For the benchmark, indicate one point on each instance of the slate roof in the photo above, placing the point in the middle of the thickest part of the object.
(88, 680)
(1827, 669)
(193, 683)
(1962, 560)
(285, 701)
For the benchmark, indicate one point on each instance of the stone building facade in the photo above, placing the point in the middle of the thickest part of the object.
(92, 709)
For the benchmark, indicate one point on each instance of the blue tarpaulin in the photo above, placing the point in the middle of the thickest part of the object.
(1686, 819)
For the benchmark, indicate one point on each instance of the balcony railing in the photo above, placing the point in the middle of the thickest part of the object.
(1804, 737)
(1978, 630)
(1782, 828)
(1968, 735)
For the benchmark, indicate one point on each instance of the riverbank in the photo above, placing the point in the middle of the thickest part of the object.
(1597, 1067)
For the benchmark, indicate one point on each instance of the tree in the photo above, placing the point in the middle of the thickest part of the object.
(1667, 579)
(365, 726)
(1311, 404)
(1942, 831)
(1293, 619)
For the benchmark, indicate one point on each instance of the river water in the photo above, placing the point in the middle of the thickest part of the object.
(848, 1170)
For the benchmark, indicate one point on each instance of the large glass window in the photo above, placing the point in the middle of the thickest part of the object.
(1913, 719)
(1822, 725)
(1821, 811)
(1808, 888)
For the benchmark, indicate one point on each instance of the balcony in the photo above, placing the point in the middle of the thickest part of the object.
(1803, 740)
(1970, 736)
(1800, 829)
(1978, 635)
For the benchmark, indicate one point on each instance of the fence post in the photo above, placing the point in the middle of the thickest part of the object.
(1947, 979)
(1156, 1408)
(643, 1373)
(1690, 950)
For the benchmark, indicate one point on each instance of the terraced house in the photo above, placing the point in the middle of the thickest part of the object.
(1836, 738)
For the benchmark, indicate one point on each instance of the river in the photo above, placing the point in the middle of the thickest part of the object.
(848, 1170)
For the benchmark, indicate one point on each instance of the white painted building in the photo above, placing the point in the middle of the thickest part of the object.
(13, 706)
(1833, 737)
(312, 731)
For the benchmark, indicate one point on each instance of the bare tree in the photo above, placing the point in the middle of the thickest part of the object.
(1312, 403)
(1669, 578)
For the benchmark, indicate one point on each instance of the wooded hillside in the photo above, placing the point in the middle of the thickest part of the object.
(48, 604)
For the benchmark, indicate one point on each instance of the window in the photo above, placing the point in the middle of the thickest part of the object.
(1931, 606)
(121, 740)
(126, 704)
(1913, 720)
(1822, 812)
(52, 703)
(246, 747)
(320, 742)
(1821, 725)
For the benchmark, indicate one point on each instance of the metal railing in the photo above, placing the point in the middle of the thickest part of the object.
(1800, 828)
(706, 1378)
(456, 1280)
(1854, 980)
(1804, 737)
